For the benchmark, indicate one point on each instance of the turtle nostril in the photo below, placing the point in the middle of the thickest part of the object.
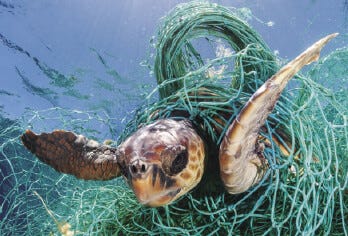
(143, 168)
(134, 169)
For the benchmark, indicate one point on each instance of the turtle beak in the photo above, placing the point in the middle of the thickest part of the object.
(151, 186)
(153, 196)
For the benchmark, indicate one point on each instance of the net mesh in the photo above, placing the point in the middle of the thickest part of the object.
(303, 193)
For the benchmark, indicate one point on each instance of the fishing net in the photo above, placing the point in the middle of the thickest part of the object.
(304, 192)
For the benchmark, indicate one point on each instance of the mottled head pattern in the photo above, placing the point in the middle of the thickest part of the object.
(162, 161)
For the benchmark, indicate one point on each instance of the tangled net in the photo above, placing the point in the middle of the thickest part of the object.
(303, 193)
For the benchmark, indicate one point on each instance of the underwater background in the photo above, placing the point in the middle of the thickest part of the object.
(87, 66)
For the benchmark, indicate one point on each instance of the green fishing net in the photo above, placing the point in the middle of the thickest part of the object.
(303, 193)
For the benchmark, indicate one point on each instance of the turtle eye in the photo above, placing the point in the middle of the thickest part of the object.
(179, 163)
(174, 159)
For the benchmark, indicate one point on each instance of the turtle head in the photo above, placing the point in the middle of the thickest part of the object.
(162, 161)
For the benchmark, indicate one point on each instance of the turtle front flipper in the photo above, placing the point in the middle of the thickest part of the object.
(73, 154)
(241, 162)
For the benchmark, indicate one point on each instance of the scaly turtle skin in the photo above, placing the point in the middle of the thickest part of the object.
(164, 160)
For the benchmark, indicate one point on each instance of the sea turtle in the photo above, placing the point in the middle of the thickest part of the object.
(164, 160)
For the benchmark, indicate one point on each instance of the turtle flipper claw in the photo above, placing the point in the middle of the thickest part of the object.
(73, 154)
(241, 165)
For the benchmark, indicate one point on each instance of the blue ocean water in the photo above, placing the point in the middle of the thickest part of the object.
(87, 54)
